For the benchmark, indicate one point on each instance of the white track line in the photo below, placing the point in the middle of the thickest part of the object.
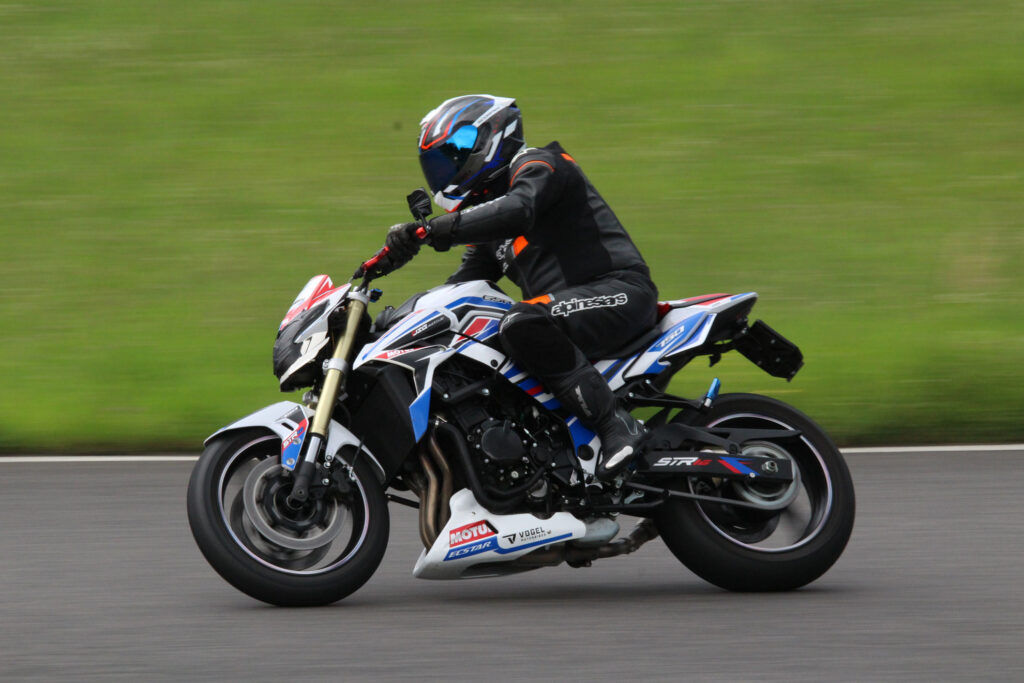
(98, 458)
(972, 448)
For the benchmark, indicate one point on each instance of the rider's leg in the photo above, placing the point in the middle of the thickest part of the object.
(539, 335)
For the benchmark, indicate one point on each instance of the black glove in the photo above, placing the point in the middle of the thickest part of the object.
(442, 231)
(387, 264)
(402, 243)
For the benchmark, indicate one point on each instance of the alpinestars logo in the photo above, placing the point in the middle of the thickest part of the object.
(567, 308)
(470, 533)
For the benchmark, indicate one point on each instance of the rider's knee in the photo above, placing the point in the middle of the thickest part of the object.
(532, 339)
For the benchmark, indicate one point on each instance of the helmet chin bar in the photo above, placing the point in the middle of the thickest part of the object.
(492, 187)
(447, 203)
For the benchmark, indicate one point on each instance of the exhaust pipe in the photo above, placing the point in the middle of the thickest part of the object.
(434, 493)
(578, 556)
(417, 485)
(641, 533)
(443, 512)
(428, 512)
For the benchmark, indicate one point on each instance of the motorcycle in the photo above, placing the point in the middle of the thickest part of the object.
(422, 408)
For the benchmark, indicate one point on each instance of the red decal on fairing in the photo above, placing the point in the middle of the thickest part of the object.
(478, 325)
(323, 289)
(387, 355)
(664, 307)
(474, 327)
(713, 301)
(470, 533)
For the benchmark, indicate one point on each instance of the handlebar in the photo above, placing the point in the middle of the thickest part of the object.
(371, 262)
(419, 205)
(422, 233)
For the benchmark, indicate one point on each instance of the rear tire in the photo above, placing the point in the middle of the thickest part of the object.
(313, 556)
(744, 550)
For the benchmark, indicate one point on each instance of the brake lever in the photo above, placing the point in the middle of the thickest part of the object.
(365, 267)
(422, 233)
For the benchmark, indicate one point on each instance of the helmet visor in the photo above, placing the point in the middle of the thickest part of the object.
(443, 162)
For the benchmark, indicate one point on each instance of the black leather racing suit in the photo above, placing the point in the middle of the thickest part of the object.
(587, 289)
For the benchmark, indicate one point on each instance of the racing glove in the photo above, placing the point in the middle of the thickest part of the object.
(442, 231)
(386, 265)
(402, 243)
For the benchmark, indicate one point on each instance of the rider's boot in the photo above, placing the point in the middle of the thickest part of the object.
(586, 395)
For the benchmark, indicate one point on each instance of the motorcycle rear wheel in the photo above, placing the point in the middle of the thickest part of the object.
(240, 519)
(751, 550)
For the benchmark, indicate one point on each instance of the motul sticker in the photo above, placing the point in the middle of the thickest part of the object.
(471, 533)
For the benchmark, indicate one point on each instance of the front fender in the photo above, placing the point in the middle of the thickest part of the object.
(283, 417)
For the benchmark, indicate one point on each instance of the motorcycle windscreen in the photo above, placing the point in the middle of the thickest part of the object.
(316, 290)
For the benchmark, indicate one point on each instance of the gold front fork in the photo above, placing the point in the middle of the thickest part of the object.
(339, 364)
(334, 381)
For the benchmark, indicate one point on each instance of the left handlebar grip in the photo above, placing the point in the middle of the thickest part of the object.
(371, 262)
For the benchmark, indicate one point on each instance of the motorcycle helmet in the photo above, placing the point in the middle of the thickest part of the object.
(466, 142)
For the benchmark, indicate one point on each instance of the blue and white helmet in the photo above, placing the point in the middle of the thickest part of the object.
(464, 142)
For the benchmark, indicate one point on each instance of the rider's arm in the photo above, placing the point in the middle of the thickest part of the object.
(478, 263)
(534, 186)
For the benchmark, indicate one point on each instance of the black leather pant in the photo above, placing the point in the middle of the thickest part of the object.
(558, 334)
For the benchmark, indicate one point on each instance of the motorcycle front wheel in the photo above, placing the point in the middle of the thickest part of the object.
(315, 554)
(743, 549)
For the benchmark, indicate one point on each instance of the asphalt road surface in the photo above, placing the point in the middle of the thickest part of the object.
(101, 581)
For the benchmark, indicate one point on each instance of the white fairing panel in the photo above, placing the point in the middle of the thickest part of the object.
(474, 536)
(448, 296)
(454, 304)
(682, 329)
(315, 335)
(283, 417)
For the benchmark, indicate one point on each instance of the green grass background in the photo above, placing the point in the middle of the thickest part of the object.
(171, 173)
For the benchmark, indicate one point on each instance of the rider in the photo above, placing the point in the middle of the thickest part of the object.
(530, 213)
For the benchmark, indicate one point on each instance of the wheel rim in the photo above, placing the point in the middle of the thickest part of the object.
(314, 525)
(770, 496)
(319, 537)
(805, 503)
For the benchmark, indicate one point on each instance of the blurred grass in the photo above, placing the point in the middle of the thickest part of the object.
(171, 173)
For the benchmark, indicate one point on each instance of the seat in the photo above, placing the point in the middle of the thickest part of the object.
(636, 346)
(665, 306)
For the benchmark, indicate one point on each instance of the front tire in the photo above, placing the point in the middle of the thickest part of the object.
(750, 550)
(315, 555)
